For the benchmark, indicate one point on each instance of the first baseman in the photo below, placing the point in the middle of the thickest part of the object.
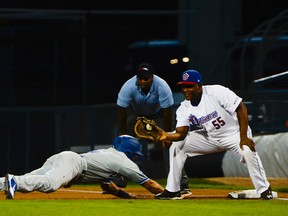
(219, 121)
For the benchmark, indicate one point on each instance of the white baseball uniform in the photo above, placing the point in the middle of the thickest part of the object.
(219, 131)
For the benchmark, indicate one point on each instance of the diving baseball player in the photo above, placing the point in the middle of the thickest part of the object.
(66, 168)
(221, 122)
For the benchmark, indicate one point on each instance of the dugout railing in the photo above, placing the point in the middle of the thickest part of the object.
(269, 106)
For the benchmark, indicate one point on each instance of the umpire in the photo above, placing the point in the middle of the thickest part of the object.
(146, 94)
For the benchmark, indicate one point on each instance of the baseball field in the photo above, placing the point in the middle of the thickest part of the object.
(209, 197)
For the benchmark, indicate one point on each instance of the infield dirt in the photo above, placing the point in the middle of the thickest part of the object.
(95, 192)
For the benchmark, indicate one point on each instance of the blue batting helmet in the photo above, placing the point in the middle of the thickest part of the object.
(128, 145)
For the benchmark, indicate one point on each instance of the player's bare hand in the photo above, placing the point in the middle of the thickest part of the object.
(163, 136)
(248, 142)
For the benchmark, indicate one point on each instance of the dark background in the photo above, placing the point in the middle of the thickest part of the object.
(48, 65)
(62, 64)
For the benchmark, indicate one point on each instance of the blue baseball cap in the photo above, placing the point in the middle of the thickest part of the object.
(128, 145)
(190, 77)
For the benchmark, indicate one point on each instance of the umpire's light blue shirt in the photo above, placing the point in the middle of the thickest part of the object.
(159, 96)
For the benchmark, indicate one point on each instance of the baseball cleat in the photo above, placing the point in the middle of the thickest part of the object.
(252, 194)
(167, 195)
(266, 195)
(10, 186)
(185, 191)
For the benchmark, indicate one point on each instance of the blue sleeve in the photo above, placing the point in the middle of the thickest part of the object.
(165, 95)
(125, 94)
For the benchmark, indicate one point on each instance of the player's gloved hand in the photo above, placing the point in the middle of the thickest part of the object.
(147, 129)
(248, 142)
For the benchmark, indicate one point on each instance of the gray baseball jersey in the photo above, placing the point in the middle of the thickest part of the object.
(104, 162)
(62, 168)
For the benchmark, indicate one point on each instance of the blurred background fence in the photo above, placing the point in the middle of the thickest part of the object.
(61, 68)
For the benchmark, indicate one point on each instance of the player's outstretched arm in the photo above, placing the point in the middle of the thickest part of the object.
(153, 186)
(178, 135)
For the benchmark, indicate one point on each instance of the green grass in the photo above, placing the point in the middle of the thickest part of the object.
(144, 207)
(149, 207)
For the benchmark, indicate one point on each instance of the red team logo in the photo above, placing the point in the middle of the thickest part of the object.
(185, 76)
(194, 123)
(193, 120)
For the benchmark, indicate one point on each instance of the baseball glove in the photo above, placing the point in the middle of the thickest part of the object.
(147, 129)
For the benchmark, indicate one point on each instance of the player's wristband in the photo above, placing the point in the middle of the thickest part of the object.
(123, 194)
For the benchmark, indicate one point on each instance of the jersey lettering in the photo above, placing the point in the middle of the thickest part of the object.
(203, 119)
(218, 123)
